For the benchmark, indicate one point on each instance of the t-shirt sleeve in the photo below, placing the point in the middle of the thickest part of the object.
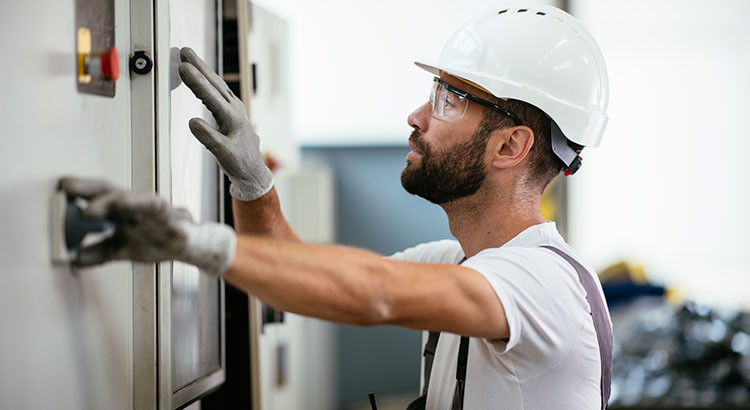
(540, 295)
(443, 251)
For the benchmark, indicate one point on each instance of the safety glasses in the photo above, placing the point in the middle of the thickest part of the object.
(449, 103)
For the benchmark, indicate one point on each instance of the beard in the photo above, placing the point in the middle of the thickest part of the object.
(442, 177)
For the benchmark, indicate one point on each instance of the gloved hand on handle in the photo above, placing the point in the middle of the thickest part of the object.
(149, 229)
(235, 145)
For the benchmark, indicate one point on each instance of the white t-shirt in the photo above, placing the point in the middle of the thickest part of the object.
(551, 360)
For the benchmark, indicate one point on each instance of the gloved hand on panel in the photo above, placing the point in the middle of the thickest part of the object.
(235, 145)
(149, 229)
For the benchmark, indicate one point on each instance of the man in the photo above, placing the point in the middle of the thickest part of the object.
(502, 121)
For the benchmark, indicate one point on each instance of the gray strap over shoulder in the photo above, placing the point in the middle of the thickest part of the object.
(601, 321)
(601, 325)
(429, 357)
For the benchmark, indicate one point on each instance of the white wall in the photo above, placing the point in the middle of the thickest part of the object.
(353, 79)
(268, 48)
(668, 187)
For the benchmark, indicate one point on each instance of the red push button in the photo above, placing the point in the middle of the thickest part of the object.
(110, 64)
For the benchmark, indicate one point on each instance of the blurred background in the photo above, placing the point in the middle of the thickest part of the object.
(658, 209)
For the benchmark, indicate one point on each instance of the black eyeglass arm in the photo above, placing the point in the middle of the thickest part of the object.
(480, 101)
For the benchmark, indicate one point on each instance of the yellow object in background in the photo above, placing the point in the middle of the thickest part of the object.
(674, 296)
(624, 272)
(549, 202)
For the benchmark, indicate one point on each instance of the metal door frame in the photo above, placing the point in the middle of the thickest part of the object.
(143, 108)
(152, 283)
(244, 28)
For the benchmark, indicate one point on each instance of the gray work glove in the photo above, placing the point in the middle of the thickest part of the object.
(235, 145)
(149, 229)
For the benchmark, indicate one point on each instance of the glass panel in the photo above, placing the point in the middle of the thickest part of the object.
(196, 319)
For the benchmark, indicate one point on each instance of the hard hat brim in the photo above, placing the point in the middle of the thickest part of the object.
(593, 121)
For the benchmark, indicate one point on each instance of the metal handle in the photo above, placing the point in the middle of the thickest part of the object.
(77, 226)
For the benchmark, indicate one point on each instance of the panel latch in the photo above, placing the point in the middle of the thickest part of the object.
(141, 63)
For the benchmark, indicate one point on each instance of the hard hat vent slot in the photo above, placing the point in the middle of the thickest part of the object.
(539, 13)
(502, 11)
(523, 10)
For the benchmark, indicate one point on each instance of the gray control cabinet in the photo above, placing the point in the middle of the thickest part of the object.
(120, 335)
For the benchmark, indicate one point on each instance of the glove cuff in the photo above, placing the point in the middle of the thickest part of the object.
(211, 247)
(251, 190)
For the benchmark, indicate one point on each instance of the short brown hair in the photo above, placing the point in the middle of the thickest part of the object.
(544, 164)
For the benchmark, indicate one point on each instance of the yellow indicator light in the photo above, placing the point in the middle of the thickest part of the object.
(84, 52)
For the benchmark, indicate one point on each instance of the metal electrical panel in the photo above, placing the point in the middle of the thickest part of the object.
(97, 60)
(67, 333)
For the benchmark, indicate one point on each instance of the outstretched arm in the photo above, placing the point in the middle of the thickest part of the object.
(237, 150)
(355, 286)
(334, 283)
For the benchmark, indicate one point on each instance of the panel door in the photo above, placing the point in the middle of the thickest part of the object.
(66, 339)
(191, 338)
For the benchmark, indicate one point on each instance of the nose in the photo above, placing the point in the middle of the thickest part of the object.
(420, 117)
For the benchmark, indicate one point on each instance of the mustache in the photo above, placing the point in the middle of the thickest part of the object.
(416, 139)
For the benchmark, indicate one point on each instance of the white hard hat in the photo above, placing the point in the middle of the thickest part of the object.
(537, 54)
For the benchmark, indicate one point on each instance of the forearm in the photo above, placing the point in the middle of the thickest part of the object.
(354, 286)
(262, 217)
(328, 282)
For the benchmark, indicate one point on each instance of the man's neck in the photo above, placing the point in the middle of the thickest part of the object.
(488, 221)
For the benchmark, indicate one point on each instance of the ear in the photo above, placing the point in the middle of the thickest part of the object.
(512, 146)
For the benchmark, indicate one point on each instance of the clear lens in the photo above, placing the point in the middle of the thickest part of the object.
(445, 104)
